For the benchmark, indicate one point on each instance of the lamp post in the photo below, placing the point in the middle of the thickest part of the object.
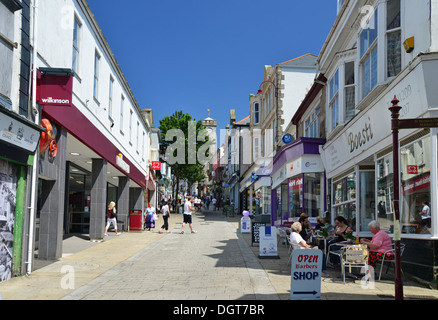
(395, 114)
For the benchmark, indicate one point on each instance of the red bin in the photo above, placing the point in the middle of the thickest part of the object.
(135, 220)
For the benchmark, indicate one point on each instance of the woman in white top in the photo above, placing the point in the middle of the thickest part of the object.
(298, 242)
(166, 214)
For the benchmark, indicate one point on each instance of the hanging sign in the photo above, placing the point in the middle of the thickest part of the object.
(156, 165)
(412, 169)
(17, 133)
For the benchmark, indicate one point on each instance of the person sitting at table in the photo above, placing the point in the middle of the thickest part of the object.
(341, 229)
(306, 227)
(298, 242)
(378, 245)
(320, 224)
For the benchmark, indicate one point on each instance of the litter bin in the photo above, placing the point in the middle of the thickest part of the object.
(135, 220)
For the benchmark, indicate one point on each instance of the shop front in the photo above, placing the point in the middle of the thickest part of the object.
(18, 143)
(360, 172)
(88, 170)
(298, 181)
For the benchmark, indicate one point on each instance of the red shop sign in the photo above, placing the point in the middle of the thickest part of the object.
(54, 90)
(412, 169)
(156, 165)
(418, 184)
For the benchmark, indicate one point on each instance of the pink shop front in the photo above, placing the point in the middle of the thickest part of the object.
(298, 182)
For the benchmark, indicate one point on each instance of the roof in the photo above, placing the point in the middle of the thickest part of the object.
(305, 61)
(244, 121)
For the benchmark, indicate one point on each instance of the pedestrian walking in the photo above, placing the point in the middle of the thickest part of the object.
(166, 215)
(187, 217)
(214, 203)
(149, 218)
(112, 218)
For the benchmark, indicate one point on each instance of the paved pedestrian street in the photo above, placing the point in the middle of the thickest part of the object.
(215, 263)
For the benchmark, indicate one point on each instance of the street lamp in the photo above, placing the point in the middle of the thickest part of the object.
(271, 82)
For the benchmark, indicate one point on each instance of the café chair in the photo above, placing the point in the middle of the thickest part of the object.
(282, 235)
(390, 252)
(354, 256)
(330, 251)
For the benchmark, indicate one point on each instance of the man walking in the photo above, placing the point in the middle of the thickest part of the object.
(188, 214)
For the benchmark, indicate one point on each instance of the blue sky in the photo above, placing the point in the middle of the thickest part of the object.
(194, 55)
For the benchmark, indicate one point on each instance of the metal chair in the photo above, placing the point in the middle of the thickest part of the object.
(337, 253)
(354, 256)
(390, 252)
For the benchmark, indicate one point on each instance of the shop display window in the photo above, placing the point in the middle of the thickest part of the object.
(415, 162)
(367, 204)
(385, 193)
(344, 198)
(312, 195)
(295, 196)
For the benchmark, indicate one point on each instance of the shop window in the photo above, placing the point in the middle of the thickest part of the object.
(415, 161)
(344, 198)
(313, 204)
(278, 205)
(295, 196)
(385, 193)
(367, 199)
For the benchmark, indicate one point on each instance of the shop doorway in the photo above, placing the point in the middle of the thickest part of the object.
(78, 200)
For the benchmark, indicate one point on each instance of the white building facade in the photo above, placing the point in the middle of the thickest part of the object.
(377, 50)
(103, 140)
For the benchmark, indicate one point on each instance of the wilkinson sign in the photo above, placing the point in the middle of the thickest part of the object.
(54, 90)
(51, 100)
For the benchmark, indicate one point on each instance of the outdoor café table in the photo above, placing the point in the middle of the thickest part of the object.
(350, 245)
(317, 240)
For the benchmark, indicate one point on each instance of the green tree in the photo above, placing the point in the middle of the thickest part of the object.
(180, 134)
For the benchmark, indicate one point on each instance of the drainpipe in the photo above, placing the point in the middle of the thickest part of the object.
(35, 158)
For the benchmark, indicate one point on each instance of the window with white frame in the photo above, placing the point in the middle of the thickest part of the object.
(256, 113)
(138, 137)
(142, 145)
(368, 54)
(110, 101)
(96, 75)
(122, 109)
(334, 100)
(131, 116)
(76, 41)
(349, 91)
(311, 124)
(393, 38)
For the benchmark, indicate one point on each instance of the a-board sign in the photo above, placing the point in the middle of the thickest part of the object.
(306, 274)
(255, 236)
(268, 243)
(245, 225)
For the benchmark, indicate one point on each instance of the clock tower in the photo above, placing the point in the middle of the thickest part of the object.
(210, 125)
